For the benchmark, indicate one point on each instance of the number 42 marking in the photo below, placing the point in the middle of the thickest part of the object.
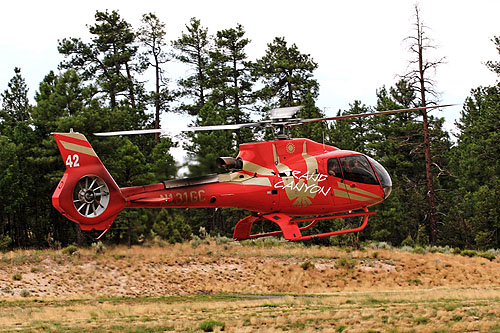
(73, 161)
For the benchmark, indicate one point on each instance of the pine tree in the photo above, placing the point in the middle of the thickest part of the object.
(152, 35)
(287, 78)
(15, 104)
(230, 78)
(287, 75)
(475, 158)
(109, 58)
(192, 49)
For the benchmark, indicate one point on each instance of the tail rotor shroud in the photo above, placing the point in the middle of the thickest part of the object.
(91, 196)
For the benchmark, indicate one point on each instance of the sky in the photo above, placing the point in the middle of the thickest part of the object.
(357, 44)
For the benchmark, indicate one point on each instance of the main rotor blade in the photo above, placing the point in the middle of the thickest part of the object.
(221, 127)
(186, 129)
(360, 115)
(145, 131)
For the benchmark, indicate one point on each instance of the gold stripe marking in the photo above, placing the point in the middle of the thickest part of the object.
(78, 148)
(235, 178)
(75, 135)
(352, 196)
(341, 194)
(358, 190)
(255, 168)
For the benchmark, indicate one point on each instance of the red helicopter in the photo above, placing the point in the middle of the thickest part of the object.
(280, 181)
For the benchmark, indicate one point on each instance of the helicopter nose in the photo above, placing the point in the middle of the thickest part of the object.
(383, 176)
(387, 191)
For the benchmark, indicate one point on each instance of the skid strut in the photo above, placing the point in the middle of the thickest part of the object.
(289, 228)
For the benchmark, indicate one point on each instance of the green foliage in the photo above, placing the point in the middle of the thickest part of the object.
(210, 325)
(172, 227)
(5, 242)
(468, 253)
(306, 265)
(475, 205)
(487, 255)
(98, 247)
(408, 241)
(287, 75)
(70, 249)
(24, 293)
(17, 277)
(421, 320)
(346, 262)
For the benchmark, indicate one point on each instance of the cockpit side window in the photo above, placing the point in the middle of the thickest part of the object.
(333, 168)
(356, 168)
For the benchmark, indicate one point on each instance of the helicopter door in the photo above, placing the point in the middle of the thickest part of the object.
(360, 180)
(339, 194)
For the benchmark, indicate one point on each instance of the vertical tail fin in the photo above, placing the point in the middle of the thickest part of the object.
(86, 194)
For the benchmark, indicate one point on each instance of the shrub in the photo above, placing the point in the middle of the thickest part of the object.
(421, 320)
(198, 241)
(440, 249)
(203, 233)
(408, 241)
(345, 262)
(25, 293)
(415, 281)
(306, 265)
(419, 250)
(17, 277)
(219, 240)
(209, 325)
(380, 245)
(5, 243)
(487, 255)
(406, 248)
(468, 253)
(98, 247)
(70, 249)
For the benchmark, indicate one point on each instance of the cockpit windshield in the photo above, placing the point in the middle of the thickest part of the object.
(383, 175)
(356, 168)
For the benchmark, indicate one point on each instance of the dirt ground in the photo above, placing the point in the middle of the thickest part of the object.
(247, 287)
(182, 269)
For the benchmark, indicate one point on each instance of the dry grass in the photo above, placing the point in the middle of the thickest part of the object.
(178, 287)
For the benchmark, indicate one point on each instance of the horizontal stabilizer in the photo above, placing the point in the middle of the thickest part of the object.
(152, 200)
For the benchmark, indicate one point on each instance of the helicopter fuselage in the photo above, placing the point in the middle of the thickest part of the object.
(275, 180)
(287, 176)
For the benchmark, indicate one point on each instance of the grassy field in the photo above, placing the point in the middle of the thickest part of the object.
(245, 288)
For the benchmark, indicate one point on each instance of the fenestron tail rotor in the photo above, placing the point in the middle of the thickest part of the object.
(91, 196)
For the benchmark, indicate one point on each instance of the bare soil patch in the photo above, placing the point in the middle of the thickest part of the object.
(177, 287)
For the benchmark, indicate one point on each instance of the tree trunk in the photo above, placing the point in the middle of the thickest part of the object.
(427, 149)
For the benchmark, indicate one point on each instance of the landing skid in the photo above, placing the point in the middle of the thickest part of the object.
(289, 228)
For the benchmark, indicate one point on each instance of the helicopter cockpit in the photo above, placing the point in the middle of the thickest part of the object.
(360, 169)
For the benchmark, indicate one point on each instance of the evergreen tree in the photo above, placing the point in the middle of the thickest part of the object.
(109, 57)
(15, 104)
(287, 75)
(192, 49)
(476, 213)
(152, 35)
(287, 78)
(230, 78)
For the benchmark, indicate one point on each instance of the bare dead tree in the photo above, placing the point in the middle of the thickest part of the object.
(419, 77)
